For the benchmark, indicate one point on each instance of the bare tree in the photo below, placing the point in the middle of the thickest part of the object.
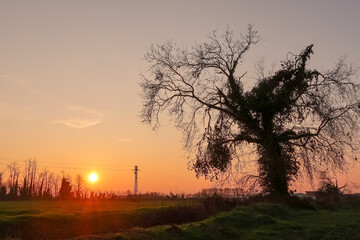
(297, 118)
(1, 178)
(29, 176)
(50, 190)
(56, 184)
(2, 187)
(42, 182)
(32, 170)
(13, 181)
(79, 186)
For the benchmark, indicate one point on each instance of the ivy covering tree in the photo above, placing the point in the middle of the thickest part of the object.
(297, 118)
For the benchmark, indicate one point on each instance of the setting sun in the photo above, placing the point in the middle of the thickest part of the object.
(93, 177)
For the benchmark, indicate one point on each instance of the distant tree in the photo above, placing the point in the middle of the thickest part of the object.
(49, 186)
(42, 179)
(13, 181)
(56, 182)
(79, 186)
(328, 186)
(2, 192)
(295, 118)
(65, 189)
(32, 168)
(92, 195)
(29, 177)
(1, 177)
(2, 187)
(24, 190)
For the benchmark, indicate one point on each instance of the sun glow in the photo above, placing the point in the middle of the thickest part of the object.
(93, 177)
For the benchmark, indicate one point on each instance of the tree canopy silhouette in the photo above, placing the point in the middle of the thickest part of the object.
(297, 117)
(65, 189)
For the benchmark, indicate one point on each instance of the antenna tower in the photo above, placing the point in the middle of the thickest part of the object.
(136, 180)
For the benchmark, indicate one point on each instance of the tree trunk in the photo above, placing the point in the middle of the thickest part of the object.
(274, 173)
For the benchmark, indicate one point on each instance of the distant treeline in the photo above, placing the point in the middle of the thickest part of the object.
(32, 183)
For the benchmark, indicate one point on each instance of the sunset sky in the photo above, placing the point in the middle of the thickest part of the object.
(69, 77)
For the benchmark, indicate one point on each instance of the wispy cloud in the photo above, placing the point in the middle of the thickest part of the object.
(124, 140)
(79, 123)
(81, 117)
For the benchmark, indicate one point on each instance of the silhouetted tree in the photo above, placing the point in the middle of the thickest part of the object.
(56, 181)
(49, 186)
(79, 186)
(2, 187)
(36, 185)
(24, 190)
(28, 187)
(1, 177)
(40, 183)
(65, 189)
(296, 117)
(13, 181)
(328, 186)
(2, 192)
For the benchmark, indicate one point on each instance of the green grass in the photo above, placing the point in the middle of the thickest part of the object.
(126, 220)
(260, 221)
(9, 208)
(62, 219)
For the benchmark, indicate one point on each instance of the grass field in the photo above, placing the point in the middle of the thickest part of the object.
(13, 208)
(95, 220)
(260, 221)
(61, 219)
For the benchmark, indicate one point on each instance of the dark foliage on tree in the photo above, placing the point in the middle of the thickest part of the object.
(297, 118)
(65, 189)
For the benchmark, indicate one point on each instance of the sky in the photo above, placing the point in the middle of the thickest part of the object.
(70, 73)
